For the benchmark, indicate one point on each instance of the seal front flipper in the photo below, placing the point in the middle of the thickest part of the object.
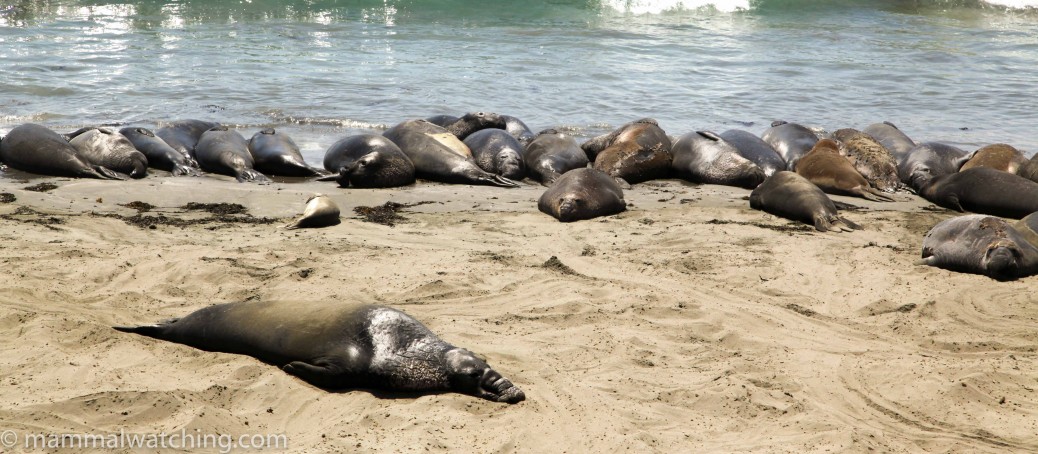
(157, 330)
(108, 174)
(874, 195)
(500, 181)
(322, 373)
(185, 170)
(251, 175)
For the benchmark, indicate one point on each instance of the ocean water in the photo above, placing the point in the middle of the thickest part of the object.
(962, 72)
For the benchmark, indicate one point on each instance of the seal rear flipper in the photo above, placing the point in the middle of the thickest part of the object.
(495, 180)
(822, 224)
(330, 177)
(251, 175)
(875, 195)
(185, 170)
(157, 330)
(848, 225)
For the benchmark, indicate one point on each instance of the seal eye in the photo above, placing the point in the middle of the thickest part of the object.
(475, 373)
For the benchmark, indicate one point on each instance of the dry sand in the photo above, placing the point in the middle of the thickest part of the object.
(690, 323)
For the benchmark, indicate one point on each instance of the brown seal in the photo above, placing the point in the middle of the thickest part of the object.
(870, 158)
(635, 152)
(834, 174)
(998, 156)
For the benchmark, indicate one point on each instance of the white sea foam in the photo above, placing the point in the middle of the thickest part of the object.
(661, 6)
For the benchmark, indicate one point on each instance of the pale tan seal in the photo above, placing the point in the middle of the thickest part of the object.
(320, 211)
(998, 156)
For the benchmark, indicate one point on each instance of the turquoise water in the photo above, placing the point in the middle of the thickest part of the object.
(963, 72)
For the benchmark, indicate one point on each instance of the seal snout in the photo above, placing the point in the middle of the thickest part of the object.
(1001, 261)
(499, 388)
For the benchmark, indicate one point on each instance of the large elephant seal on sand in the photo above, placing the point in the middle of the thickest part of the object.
(791, 196)
(439, 155)
(980, 244)
(755, 149)
(582, 194)
(335, 345)
(108, 148)
(551, 154)
(368, 161)
(37, 149)
(834, 174)
(1030, 169)
(635, 152)
(275, 153)
(160, 155)
(790, 140)
(870, 158)
(997, 156)
(497, 152)
(986, 191)
(183, 135)
(891, 138)
(704, 157)
(226, 152)
(927, 161)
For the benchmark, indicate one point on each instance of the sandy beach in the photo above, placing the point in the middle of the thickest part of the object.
(689, 323)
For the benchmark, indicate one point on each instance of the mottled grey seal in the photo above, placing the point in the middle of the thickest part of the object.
(160, 155)
(518, 129)
(335, 345)
(226, 152)
(320, 211)
(497, 152)
(704, 157)
(438, 155)
(870, 158)
(107, 148)
(368, 161)
(790, 140)
(582, 194)
(551, 154)
(635, 152)
(183, 135)
(275, 153)
(755, 149)
(789, 195)
(891, 138)
(984, 190)
(980, 244)
(999, 156)
(927, 161)
(34, 148)
(834, 174)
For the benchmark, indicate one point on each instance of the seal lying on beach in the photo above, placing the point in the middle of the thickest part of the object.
(183, 135)
(472, 122)
(37, 149)
(790, 140)
(635, 152)
(551, 154)
(704, 157)
(997, 156)
(518, 129)
(927, 161)
(789, 195)
(834, 174)
(334, 345)
(980, 244)
(984, 190)
(107, 148)
(891, 138)
(870, 158)
(320, 211)
(439, 155)
(368, 161)
(582, 194)
(160, 155)
(226, 152)
(755, 149)
(275, 153)
(497, 152)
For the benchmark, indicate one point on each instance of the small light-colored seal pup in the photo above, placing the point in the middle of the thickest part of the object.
(891, 138)
(635, 152)
(321, 211)
(275, 153)
(334, 345)
(551, 154)
(927, 161)
(704, 157)
(160, 155)
(870, 158)
(582, 194)
(497, 152)
(834, 174)
(368, 161)
(183, 135)
(790, 140)
(791, 196)
(984, 190)
(37, 149)
(999, 156)
(439, 155)
(980, 244)
(226, 152)
(755, 149)
(107, 148)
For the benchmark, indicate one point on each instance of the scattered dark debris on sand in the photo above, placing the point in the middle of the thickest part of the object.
(385, 214)
(588, 251)
(7, 197)
(42, 187)
(216, 208)
(787, 228)
(801, 310)
(556, 265)
(893, 247)
(139, 206)
(44, 219)
(221, 215)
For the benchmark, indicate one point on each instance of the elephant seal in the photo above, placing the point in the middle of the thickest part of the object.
(999, 156)
(1028, 228)
(704, 157)
(368, 161)
(160, 155)
(442, 120)
(108, 148)
(870, 158)
(518, 129)
(755, 149)
(551, 154)
(335, 345)
(635, 152)
(982, 245)
(790, 140)
(582, 194)
(1030, 169)
(834, 174)
(497, 152)
(226, 152)
(789, 195)
(183, 135)
(927, 161)
(275, 153)
(438, 155)
(320, 211)
(888, 135)
(472, 122)
(984, 190)
(34, 148)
